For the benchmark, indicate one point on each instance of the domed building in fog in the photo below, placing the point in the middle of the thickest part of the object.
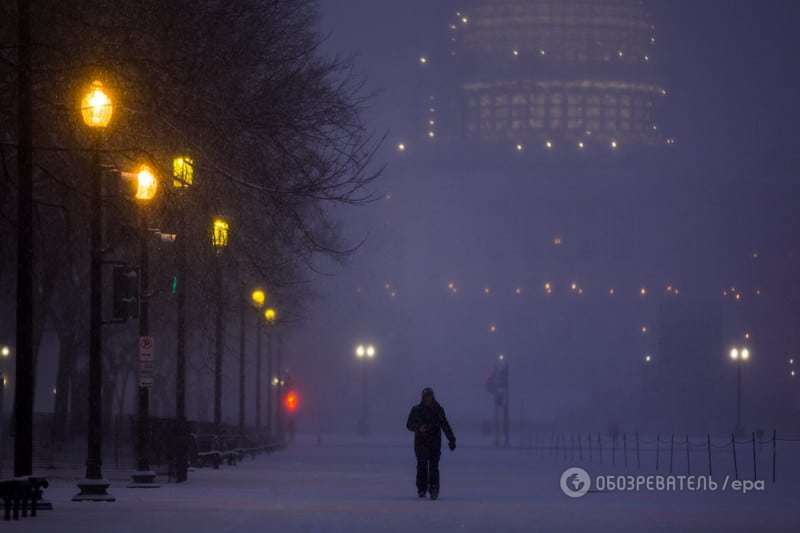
(556, 74)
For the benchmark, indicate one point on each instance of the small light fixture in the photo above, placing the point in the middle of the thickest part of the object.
(146, 184)
(219, 236)
(258, 297)
(96, 107)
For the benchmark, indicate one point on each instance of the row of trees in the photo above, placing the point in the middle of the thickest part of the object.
(274, 128)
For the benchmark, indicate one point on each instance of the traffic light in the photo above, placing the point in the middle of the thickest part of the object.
(291, 401)
(125, 283)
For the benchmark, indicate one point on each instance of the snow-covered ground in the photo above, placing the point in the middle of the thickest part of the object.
(348, 486)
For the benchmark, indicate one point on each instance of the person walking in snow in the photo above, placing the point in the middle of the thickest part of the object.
(427, 421)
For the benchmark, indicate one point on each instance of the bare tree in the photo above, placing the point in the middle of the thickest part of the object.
(274, 128)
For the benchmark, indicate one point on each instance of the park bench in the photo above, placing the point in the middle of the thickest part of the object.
(19, 495)
(230, 453)
(205, 451)
(215, 450)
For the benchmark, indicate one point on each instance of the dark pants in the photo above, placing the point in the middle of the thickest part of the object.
(427, 469)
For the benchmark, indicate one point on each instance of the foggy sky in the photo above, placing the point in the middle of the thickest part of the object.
(691, 217)
(723, 193)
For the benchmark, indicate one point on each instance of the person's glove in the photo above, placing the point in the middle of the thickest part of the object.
(452, 445)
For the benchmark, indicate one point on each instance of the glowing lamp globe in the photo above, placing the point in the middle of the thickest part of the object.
(219, 236)
(96, 107)
(258, 297)
(182, 172)
(270, 315)
(146, 184)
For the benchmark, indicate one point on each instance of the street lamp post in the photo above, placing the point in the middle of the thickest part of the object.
(3, 425)
(25, 389)
(219, 240)
(143, 476)
(270, 315)
(242, 361)
(2, 414)
(279, 394)
(364, 353)
(739, 356)
(96, 110)
(183, 177)
(258, 297)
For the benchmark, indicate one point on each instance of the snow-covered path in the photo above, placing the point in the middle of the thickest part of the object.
(354, 487)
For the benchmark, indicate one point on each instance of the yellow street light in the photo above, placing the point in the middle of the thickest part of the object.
(219, 237)
(182, 172)
(96, 106)
(5, 351)
(270, 315)
(146, 184)
(258, 297)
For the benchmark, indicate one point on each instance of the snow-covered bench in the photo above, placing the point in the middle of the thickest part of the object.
(20, 495)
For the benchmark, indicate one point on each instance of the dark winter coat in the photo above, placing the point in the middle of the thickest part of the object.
(428, 423)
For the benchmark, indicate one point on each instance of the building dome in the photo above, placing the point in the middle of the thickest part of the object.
(580, 73)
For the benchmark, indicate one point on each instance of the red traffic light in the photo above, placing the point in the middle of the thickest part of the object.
(291, 401)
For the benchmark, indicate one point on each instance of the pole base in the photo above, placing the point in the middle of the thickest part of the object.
(143, 479)
(93, 490)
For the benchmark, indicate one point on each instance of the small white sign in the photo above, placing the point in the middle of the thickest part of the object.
(146, 373)
(146, 345)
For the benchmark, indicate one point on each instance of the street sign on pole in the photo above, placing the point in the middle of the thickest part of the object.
(146, 369)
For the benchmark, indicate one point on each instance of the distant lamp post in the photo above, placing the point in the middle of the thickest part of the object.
(739, 356)
(258, 297)
(220, 232)
(270, 316)
(2, 411)
(364, 352)
(143, 476)
(96, 111)
(5, 352)
(182, 180)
